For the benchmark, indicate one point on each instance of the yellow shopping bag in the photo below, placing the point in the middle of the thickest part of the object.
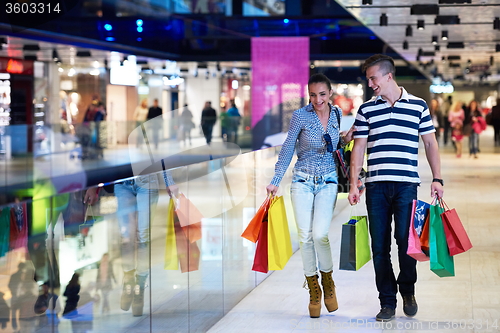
(171, 260)
(278, 235)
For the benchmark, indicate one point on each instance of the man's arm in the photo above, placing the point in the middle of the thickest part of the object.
(357, 156)
(432, 154)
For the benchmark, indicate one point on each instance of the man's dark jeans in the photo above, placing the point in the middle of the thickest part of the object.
(383, 200)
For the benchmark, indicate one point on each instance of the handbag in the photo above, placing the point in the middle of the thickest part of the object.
(441, 262)
(354, 244)
(420, 210)
(343, 158)
(251, 232)
(456, 237)
(279, 244)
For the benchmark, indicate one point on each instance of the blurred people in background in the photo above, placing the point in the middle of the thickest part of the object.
(437, 117)
(72, 296)
(495, 121)
(234, 119)
(445, 110)
(104, 282)
(456, 118)
(478, 125)
(47, 307)
(140, 116)
(156, 125)
(208, 119)
(186, 125)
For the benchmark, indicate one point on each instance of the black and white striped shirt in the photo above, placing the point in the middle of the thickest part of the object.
(393, 134)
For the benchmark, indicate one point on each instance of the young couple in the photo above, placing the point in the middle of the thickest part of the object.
(388, 127)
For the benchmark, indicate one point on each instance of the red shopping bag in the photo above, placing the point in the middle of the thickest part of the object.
(456, 236)
(419, 212)
(188, 252)
(260, 261)
(252, 230)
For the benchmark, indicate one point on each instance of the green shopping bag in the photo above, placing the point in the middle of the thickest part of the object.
(354, 244)
(440, 259)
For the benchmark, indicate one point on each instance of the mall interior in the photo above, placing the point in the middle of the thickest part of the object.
(137, 138)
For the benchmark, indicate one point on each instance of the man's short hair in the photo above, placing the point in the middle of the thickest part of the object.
(385, 62)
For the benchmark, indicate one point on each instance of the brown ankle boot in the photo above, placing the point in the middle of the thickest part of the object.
(329, 291)
(314, 296)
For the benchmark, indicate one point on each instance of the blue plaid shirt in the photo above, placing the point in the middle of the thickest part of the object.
(312, 156)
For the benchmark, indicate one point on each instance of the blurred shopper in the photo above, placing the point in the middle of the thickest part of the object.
(392, 179)
(47, 307)
(437, 117)
(315, 131)
(456, 118)
(234, 120)
(157, 124)
(495, 121)
(445, 110)
(72, 292)
(478, 125)
(140, 116)
(186, 124)
(208, 119)
(104, 282)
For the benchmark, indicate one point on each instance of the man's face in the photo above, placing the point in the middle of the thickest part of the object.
(377, 80)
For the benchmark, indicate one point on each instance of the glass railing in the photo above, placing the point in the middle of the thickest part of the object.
(125, 263)
(72, 157)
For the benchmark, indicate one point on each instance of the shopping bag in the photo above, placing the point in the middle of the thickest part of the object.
(424, 237)
(441, 262)
(252, 230)
(188, 252)
(187, 212)
(456, 236)
(171, 260)
(354, 244)
(279, 244)
(420, 210)
(90, 219)
(260, 261)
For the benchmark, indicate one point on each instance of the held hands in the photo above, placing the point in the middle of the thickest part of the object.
(348, 135)
(272, 189)
(353, 196)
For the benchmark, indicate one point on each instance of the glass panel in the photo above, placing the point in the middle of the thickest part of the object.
(169, 285)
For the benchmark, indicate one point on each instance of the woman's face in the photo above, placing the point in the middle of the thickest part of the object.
(319, 96)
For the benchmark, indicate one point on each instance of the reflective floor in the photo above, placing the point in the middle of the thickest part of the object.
(468, 302)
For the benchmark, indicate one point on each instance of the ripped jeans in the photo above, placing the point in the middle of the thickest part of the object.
(313, 200)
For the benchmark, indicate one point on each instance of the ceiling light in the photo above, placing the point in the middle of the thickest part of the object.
(454, 57)
(424, 10)
(30, 57)
(455, 45)
(383, 20)
(437, 48)
(83, 54)
(453, 1)
(367, 2)
(55, 55)
(31, 47)
(492, 60)
(434, 40)
(405, 45)
(497, 48)
(3, 40)
(447, 19)
(409, 31)
(421, 24)
(496, 23)
(444, 35)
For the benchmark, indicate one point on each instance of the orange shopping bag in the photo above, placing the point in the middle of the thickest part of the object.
(252, 230)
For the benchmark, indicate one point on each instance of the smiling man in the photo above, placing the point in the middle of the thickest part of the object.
(389, 126)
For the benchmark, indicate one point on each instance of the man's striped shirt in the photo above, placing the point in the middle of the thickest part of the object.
(393, 134)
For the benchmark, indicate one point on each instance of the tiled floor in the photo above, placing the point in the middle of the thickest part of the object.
(468, 302)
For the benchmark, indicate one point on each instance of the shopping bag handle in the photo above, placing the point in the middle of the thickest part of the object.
(443, 204)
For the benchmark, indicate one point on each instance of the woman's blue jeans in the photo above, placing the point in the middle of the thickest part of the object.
(383, 201)
(137, 199)
(313, 200)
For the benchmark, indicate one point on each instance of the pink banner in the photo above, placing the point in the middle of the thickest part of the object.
(280, 71)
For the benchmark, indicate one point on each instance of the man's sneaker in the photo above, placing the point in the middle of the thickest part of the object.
(385, 314)
(410, 306)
